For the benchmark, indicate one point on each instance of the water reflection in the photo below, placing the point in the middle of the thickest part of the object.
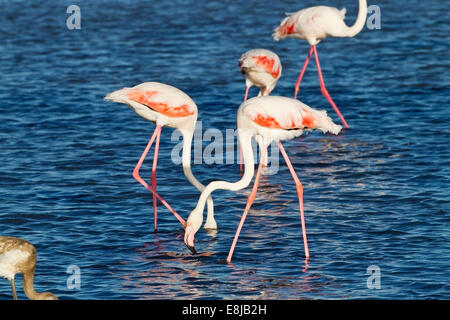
(268, 192)
(303, 285)
(161, 275)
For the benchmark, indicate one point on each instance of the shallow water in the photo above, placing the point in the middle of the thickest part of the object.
(377, 194)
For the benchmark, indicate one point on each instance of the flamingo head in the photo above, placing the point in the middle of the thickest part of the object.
(44, 296)
(192, 225)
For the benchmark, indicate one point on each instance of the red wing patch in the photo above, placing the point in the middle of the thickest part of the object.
(267, 64)
(286, 28)
(145, 97)
(270, 122)
(308, 119)
(266, 121)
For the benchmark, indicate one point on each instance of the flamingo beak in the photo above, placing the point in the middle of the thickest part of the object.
(189, 238)
(191, 248)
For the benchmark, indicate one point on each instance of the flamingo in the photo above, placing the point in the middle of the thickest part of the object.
(315, 24)
(260, 68)
(269, 118)
(168, 106)
(19, 256)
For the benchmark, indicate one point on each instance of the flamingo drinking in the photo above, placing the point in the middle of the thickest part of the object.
(268, 118)
(261, 68)
(19, 256)
(165, 106)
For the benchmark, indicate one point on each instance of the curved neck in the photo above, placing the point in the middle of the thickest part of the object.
(360, 20)
(249, 170)
(28, 278)
(186, 159)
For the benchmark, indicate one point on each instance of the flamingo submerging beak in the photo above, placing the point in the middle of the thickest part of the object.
(189, 238)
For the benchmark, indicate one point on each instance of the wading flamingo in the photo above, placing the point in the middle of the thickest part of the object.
(261, 68)
(19, 256)
(315, 24)
(165, 106)
(269, 118)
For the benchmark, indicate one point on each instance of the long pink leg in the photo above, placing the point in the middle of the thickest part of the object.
(325, 91)
(141, 181)
(300, 76)
(246, 93)
(299, 187)
(250, 200)
(153, 179)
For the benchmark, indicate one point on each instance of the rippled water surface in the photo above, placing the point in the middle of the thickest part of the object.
(377, 194)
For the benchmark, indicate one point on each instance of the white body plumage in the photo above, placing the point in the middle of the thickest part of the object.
(163, 94)
(261, 68)
(316, 23)
(276, 118)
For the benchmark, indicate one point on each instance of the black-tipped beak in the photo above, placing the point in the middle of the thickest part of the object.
(189, 237)
(191, 248)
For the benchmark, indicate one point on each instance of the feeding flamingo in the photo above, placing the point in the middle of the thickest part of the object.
(268, 118)
(315, 24)
(19, 256)
(261, 68)
(165, 106)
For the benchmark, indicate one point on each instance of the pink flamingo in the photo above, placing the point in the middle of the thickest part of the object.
(165, 106)
(261, 68)
(268, 118)
(315, 24)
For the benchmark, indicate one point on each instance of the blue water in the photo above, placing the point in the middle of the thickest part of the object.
(377, 194)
